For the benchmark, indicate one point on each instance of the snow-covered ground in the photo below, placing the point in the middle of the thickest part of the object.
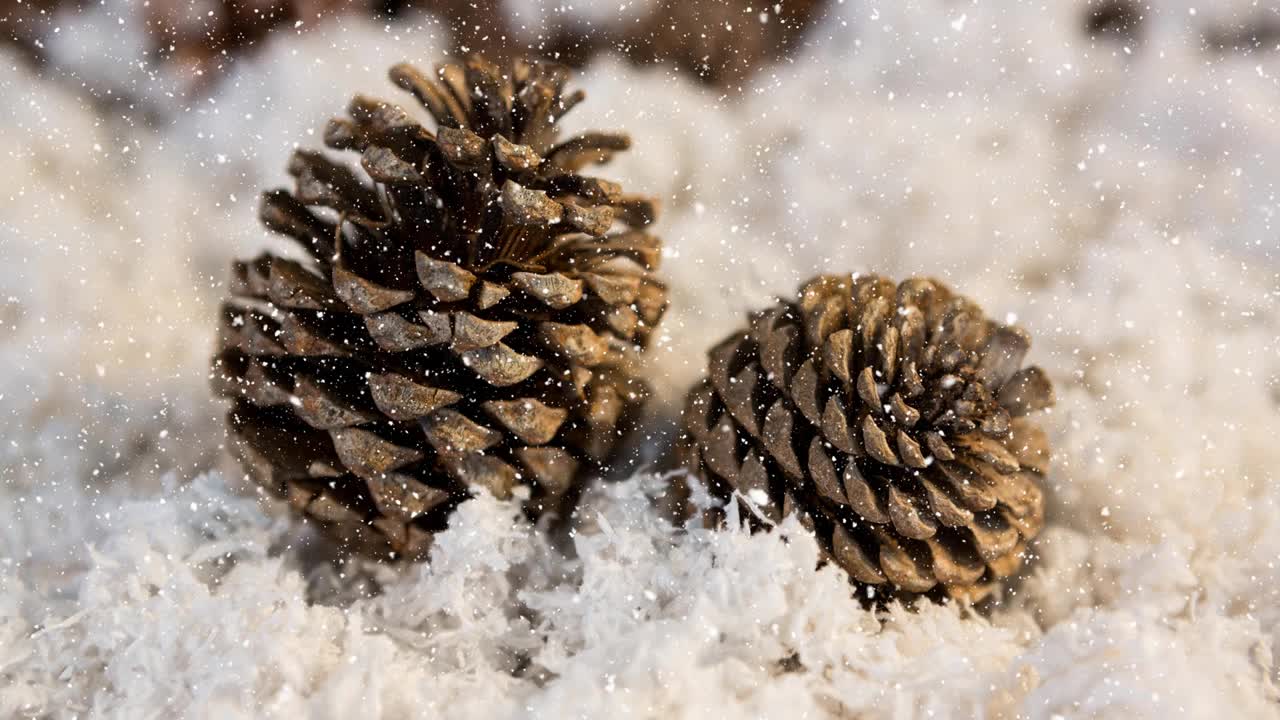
(1116, 195)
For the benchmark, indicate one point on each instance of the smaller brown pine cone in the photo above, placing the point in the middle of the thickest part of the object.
(896, 420)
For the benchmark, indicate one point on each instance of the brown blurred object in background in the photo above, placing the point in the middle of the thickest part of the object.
(191, 33)
(198, 34)
(719, 42)
(25, 23)
(722, 42)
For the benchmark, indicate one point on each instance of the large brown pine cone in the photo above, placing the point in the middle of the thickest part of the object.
(894, 418)
(470, 314)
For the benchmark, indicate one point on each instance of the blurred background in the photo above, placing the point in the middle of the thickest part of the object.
(197, 43)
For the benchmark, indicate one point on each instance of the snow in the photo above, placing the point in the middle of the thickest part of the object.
(1119, 203)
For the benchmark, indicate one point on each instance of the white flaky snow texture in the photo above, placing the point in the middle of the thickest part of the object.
(1116, 195)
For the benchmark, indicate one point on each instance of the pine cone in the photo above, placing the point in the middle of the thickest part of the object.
(469, 317)
(894, 419)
